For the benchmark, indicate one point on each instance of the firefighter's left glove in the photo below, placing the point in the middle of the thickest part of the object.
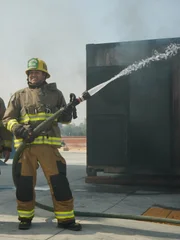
(68, 110)
(26, 133)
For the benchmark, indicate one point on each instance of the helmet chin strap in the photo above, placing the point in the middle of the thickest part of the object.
(36, 85)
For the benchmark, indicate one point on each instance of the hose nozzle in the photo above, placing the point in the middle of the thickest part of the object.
(85, 95)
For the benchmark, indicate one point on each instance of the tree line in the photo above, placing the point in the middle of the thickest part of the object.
(73, 130)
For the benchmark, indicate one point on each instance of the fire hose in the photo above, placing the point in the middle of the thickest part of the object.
(44, 125)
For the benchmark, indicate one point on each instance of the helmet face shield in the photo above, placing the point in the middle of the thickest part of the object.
(37, 64)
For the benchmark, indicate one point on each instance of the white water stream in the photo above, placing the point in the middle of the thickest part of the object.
(170, 51)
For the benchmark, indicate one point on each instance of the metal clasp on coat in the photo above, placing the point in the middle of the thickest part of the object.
(35, 111)
(48, 110)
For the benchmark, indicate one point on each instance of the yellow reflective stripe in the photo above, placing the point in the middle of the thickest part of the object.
(35, 117)
(11, 123)
(24, 119)
(64, 215)
(41, 140)
(26, 214)
(39, 114)
(23, 211)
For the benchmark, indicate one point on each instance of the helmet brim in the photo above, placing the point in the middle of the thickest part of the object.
(27, 72)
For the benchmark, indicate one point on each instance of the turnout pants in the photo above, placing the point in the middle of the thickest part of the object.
(54, 168)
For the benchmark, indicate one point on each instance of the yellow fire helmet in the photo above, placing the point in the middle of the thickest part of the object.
(37, 64)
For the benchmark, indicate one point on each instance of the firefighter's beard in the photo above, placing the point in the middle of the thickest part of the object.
(36, 84)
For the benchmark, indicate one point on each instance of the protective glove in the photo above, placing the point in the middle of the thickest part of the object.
(25, 133)
(66, 115)
(70, 110)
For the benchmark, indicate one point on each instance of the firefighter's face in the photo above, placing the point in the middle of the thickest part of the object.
(36, 76)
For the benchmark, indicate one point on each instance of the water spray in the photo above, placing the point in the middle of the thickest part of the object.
(170, 51)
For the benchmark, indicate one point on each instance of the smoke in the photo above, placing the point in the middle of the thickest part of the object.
(144, 19)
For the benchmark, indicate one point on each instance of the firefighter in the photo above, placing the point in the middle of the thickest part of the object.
(27, 108)
(5, 135)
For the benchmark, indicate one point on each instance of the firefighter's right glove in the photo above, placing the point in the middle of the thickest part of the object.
(25, 133)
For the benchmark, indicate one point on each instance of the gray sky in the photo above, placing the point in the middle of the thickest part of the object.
(57, 31)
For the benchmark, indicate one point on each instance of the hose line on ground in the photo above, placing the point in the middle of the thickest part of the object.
(93, 214)
(119, 216)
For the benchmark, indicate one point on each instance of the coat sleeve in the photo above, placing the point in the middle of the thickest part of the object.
(5, 135)
(2, 109)
(12, 112)
(65, 118)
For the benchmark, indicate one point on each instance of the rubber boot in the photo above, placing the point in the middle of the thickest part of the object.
(25, 225)
(70, 226)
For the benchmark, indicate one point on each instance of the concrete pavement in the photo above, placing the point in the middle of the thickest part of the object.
(91, 198)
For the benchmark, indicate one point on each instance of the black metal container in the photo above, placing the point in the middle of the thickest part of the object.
(133, 123)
